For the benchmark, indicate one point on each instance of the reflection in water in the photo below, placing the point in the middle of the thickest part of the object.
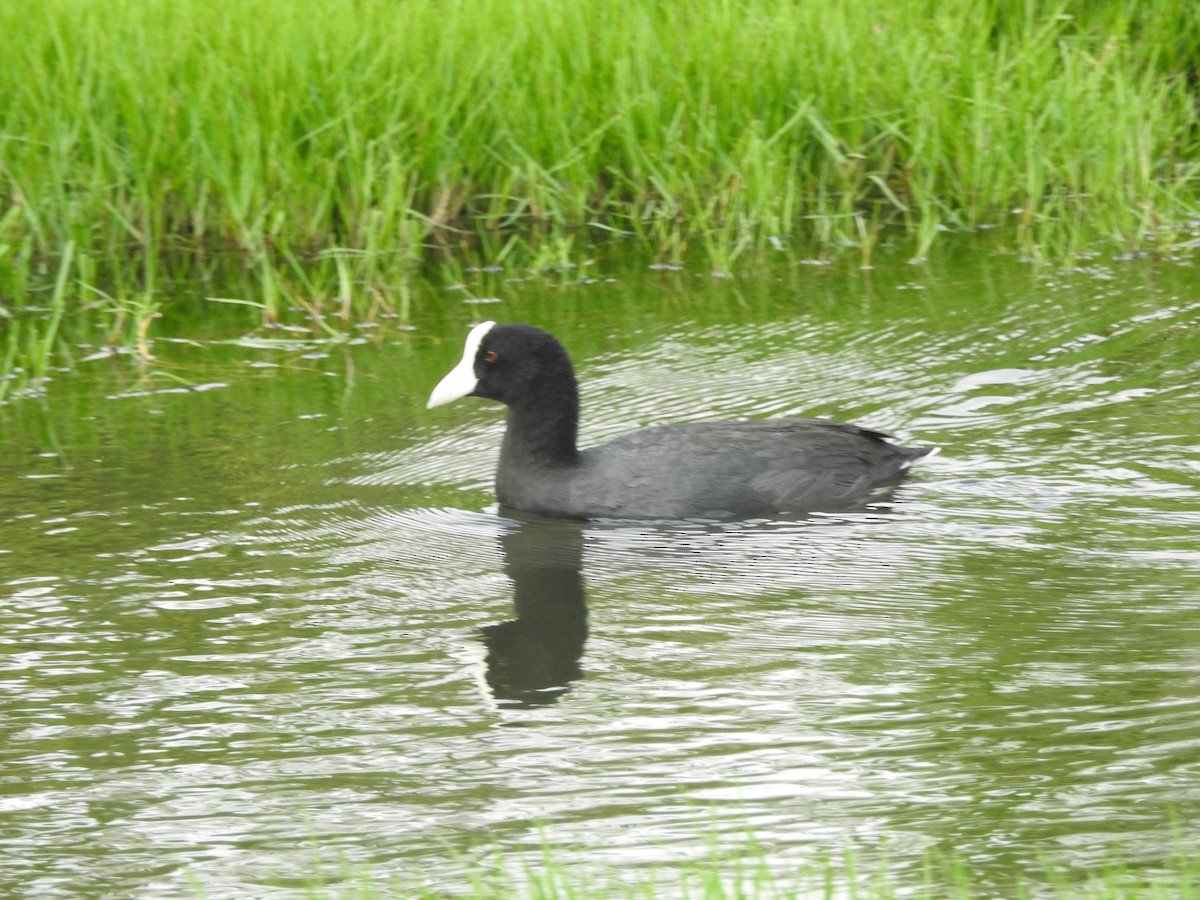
(532, 659)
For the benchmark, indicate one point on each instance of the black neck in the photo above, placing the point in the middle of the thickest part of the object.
(544, 428)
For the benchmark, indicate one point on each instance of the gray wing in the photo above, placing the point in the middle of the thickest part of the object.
(716, 469)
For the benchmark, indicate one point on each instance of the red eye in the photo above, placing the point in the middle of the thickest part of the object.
(491, 356)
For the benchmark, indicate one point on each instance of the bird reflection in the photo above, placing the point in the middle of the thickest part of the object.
(532, 659)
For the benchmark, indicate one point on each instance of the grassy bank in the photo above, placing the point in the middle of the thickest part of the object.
(373, 130)
(254, 123)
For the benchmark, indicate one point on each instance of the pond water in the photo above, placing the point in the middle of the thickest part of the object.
(260, 617)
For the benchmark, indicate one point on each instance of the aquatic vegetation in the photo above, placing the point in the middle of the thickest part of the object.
(740, 871)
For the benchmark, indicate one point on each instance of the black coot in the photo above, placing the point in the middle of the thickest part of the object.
(701, 470)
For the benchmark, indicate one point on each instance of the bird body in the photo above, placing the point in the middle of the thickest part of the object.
(706, 470)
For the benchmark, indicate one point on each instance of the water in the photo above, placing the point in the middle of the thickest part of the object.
(272, 624)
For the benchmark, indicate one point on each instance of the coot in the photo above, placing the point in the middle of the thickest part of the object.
(695, 470)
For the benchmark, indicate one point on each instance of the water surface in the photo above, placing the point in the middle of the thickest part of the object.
(261, 617)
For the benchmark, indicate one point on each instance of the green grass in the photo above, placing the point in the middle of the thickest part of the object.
(256, 123)
(374, 134)
(748, 875)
